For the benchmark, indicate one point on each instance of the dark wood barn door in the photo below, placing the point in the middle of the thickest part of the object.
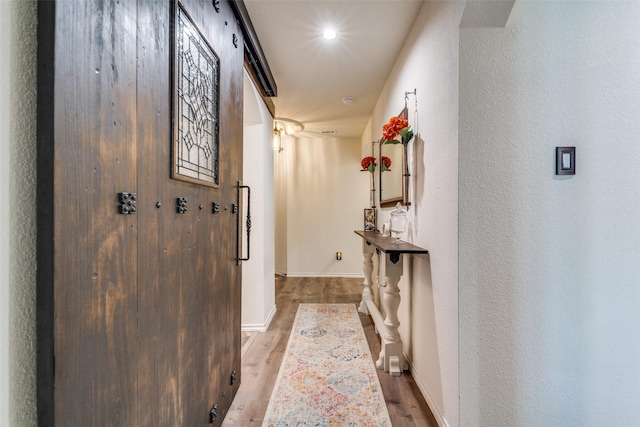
(138, 296)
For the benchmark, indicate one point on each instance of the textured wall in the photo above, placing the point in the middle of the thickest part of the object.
(258, 284)
(549, 266)
(325, 197)
(17, 218)
(428, 312)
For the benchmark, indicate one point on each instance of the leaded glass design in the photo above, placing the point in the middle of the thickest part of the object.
(196, 118)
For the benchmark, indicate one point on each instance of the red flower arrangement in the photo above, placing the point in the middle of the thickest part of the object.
(397, 126)
(369, 163)
(386, 163)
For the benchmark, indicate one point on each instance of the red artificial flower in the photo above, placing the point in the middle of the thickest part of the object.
(386, 163)
(368, 163)
(393, 127)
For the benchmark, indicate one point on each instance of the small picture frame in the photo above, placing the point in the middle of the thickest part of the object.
(369, 219)
(565, 160)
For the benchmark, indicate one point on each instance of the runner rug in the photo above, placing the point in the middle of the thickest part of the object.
(327, 376)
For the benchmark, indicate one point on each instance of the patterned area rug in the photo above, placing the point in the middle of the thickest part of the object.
(327, 376)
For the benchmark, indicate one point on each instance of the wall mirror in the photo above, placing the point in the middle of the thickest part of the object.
(391, 180)
(394, 183)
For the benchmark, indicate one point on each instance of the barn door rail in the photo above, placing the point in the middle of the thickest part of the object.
(239, 234)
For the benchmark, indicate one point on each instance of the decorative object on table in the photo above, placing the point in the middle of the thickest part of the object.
(327, 376)
(370, 219)
(398, 222)
(565, 160)
(386, 229)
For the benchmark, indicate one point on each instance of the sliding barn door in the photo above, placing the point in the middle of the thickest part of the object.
(140, 150)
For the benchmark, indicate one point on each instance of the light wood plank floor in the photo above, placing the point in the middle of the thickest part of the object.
(265, 350)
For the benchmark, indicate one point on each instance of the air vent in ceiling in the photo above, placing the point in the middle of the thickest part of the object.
(329, 132)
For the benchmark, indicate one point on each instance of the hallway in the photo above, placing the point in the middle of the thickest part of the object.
(261, 361)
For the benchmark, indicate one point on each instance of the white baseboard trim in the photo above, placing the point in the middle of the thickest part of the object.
(257, 327)
(348, 275)
(442, 422)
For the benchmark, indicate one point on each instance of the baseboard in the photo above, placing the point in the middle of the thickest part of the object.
(347, 275)
(257, 327)
(442, 422)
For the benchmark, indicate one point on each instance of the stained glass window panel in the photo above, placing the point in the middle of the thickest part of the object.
(196, 104)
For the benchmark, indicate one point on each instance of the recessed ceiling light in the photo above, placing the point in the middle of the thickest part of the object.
(329, 34)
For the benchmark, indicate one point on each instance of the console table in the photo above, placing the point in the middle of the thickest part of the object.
(391, 357)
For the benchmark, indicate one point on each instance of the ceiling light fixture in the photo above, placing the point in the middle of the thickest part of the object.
(329, 34)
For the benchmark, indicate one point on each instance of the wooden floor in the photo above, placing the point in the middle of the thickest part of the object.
(261, 360)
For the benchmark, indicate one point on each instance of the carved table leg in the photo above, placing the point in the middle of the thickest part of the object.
(367, 266)
(391, 356)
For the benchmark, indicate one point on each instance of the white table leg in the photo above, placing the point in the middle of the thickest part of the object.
(367, 266)
(392, 354)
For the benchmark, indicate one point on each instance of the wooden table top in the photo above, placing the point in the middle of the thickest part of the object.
(387, 244)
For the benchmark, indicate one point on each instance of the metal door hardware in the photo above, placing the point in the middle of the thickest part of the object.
(213, 414)
(127, 203)
(181, 205)
(248, 223)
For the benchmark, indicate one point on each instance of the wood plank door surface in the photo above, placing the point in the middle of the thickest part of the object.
(138, 314)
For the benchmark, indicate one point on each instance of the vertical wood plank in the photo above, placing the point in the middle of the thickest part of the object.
(94, 159)
(159, 304)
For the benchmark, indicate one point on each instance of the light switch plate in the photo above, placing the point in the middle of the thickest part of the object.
(565, 160)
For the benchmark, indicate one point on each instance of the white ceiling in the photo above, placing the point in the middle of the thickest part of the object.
(313, 75)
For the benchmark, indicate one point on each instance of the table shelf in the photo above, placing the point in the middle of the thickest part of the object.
(391, 357)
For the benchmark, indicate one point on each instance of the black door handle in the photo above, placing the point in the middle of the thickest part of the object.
(239, 256)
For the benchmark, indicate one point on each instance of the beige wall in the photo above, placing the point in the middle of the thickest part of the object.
(17, 217)
(320, 201)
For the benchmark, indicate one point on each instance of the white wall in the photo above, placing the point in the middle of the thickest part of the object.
(281, 183)
(429, 289)
(325, 195)
(550, 266)
(17, 217)
(258, 284)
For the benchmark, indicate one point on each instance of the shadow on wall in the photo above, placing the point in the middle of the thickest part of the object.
(423, 334)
